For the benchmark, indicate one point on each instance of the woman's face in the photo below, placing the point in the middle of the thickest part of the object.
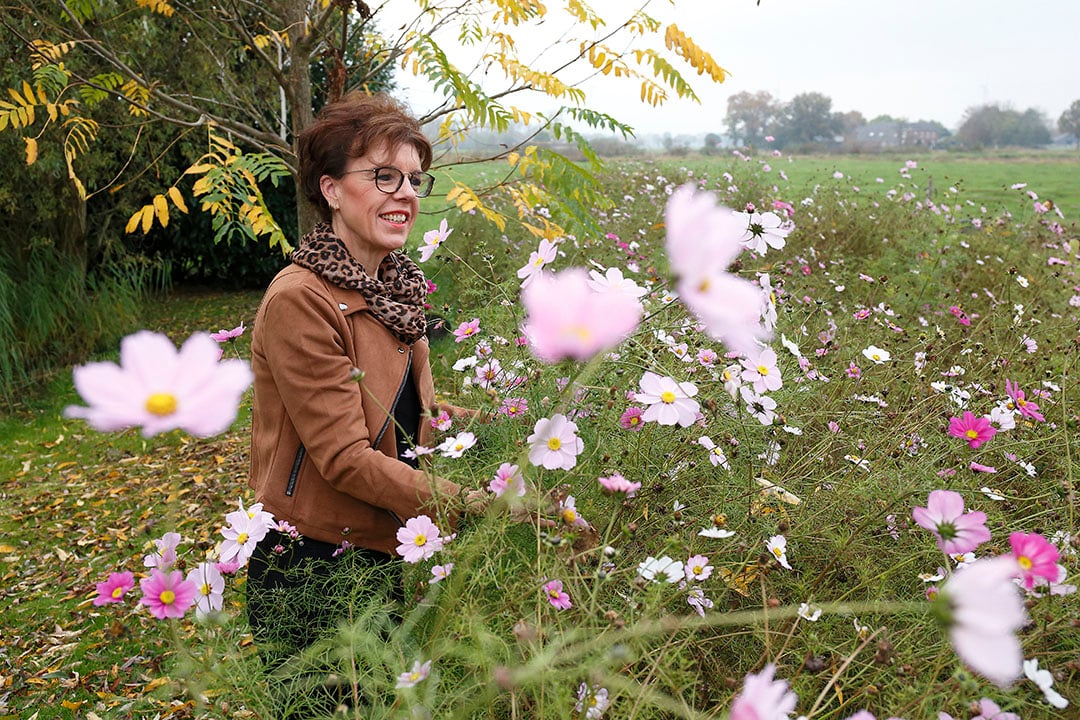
(370, 222)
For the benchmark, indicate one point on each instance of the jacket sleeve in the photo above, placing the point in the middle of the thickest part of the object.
(308, 359)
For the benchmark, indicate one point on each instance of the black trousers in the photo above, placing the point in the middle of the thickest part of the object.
(298, 592)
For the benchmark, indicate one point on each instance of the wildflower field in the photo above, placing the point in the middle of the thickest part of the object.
(813, 457)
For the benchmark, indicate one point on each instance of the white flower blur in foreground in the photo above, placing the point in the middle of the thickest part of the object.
(662, 569)
(703, 239)
(554, 443)
(669, 402)
(985, 610)
(158, 388)
(763, 698)
(567, 318)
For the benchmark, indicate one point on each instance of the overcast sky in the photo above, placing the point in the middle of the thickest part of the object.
(914, 59)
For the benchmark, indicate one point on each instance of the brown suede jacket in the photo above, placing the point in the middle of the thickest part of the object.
(323, 445)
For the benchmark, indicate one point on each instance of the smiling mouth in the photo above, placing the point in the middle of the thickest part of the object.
(398, 218)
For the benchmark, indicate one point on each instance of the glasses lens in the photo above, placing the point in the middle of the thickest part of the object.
(421, 183)
(388, 179)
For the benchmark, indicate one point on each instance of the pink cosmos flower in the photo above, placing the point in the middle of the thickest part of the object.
(114, 589)
(1036, 557)
(762, 371)
(631, 419)
(467, 330)
(616, 483)
(1019, 400)
(697, 568)
(702, 241)
(419, 539)
(956, 531)
(507, 478)
(763, 698)
(559, 598)
(989, 710)
(513, 407)
(241, 535)
(410, 678)
(960, 315)
(440, 573)
(456, 445)
(613, 281)
(210, 584)
(554, 443)
(223, 336)
(975, 430)
(985, 610)
(164, 556)
(566, 318)
(167, 594)
(568, 513)
(669, 402)
(716, 453)
(433, 239)
(158, 388)
(537, 260)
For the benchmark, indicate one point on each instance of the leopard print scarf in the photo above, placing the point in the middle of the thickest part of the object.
(395, 297)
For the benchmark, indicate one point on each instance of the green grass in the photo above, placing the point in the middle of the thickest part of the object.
(79, 504)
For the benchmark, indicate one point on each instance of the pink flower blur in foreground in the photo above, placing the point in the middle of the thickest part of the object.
(985, 610)
(167, 594)
(157, 388)
(567, 318)
(975, 430)
(419, 539)
(1036, 557)
(703, 239)
(763, 698)
(957, 532)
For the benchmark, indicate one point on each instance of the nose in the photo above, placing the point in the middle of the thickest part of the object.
(406, 188)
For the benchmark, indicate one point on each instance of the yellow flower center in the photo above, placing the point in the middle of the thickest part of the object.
(161, 404)
(118, 592)
(703, 287)
(167, 597)
(1021, 402)
(459, 446)
(241, 538)
(1024, 562)
(554, 443)
(553, 594)
(972, 434)
(777, 552)
(568, 515)
(420, 540)
(667, 396)
(204, 589)
(762, 370)
(875, 357)
(698, 569)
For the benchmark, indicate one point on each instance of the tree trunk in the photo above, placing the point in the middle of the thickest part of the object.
(298, 93)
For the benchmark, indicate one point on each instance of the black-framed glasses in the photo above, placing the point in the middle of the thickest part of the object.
(389, 180)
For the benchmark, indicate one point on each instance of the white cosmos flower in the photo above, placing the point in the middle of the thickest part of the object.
(662, 569)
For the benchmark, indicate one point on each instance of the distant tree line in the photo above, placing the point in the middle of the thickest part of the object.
(808, 121)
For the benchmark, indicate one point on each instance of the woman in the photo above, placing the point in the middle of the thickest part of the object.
(342, 381)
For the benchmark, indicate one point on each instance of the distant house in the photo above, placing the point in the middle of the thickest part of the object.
(886, 134)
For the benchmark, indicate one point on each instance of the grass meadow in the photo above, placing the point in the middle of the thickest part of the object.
(961, 282)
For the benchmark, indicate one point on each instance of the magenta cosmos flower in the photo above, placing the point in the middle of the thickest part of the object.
(467, 330)
(763, 698)
(616, 483)
(167, 595)
(114, 589)
(631, 419)
(957, 532)
(703, 239)
(567, 318)
(975, 430)
(554, 443)
(669, 402)
(224, 336)
(158, 389)
(1019, 400)
(559, 598)
(419, 539)
(984, 611)
(1036, 557)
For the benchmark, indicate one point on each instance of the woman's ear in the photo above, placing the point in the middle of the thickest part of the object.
(329, 187)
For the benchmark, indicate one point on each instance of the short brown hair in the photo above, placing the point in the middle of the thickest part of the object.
(347, 129)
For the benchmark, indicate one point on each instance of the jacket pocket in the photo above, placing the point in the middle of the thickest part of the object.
(290, 487)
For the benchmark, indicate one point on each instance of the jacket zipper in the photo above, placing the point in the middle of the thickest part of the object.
(393, 405)
(290, 487)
